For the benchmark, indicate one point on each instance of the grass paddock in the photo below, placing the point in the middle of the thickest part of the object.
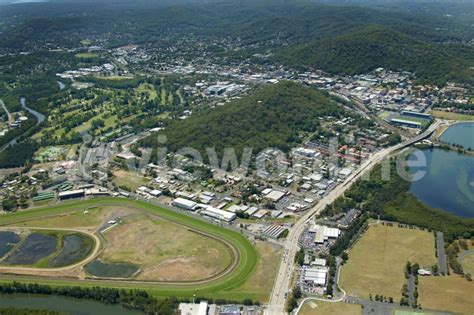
(328, 308)
(377, 261)
(447, 293)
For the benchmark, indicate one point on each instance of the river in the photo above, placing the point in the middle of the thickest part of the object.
(448, 183)
(40, 117)
(63, 304)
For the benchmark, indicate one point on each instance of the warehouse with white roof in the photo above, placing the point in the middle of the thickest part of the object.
(185, 204)
(315, 276)
(218, 214)
(324, 233)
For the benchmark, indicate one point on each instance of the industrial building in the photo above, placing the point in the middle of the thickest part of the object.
(195, 309)
(315, 276)
(348, 218)
(64, 195)
(324, 233)
(219, 214)
(320, 262)
(273, 231)
(155, 193)
(185, 204)
(275, 195)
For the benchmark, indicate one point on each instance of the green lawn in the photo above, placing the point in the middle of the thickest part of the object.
(86, 55)
(451, 116)
(228, 286)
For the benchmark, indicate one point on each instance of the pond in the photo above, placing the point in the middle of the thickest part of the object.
(448, 183)
(99, 268)
(35, 247)
(63, 304)
(8, 239)
(75, 248)
(461, 134)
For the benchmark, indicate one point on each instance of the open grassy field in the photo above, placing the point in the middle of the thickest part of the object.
(451, 116)
(227, 286)
(448, 293)
(262, 280)
(128, 179)
(166, 251)
(328, 308)
(377, 261)
(86, 55)
(77, 218)
(468, 263)
(148, 90)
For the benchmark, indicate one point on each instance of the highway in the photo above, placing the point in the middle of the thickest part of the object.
(282, 285)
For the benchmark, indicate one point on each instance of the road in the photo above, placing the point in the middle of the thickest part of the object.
(283, 279)
(441, 253)
(411, 289)
(8, 113)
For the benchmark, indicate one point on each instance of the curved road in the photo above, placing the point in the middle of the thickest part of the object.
(9, 116)
(86, 260)
(283, 283)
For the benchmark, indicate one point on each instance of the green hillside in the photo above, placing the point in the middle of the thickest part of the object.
(273, 116)
(367, 48)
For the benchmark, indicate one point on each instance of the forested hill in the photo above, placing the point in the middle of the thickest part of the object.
(342, 39)
(367, 48)
(272, 116)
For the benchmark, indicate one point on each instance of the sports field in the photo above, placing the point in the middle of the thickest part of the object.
(328, 308)
(377, 261)
(227, 285)
(447, 293)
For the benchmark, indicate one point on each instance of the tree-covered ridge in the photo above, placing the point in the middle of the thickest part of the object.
(272, 116)
(343, 39)
(367, 48)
